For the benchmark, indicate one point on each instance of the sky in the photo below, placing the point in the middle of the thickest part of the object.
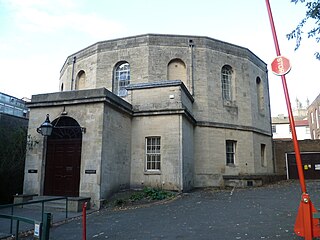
(36, 37)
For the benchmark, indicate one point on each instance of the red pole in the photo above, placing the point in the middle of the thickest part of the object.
(84, 221)
(286, 94)
(305, 225)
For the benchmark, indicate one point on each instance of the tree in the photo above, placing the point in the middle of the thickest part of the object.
(13, 140)
(312, 13)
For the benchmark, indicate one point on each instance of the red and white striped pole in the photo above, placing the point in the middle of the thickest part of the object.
(305, 226)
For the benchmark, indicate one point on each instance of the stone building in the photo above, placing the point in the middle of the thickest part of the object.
(166, 111)
(314, 118)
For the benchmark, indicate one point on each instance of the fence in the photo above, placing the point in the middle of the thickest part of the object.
(41, 228)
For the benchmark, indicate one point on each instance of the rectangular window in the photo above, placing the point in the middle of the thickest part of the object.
(263, 155)
(274, 129)
(153, 156)
(307, 130)
(317, 118)
(230, 152)
(226, 78)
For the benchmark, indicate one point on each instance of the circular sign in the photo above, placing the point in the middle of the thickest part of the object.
(280, 65)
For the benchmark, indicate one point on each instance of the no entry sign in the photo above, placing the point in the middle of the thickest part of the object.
(280, 65)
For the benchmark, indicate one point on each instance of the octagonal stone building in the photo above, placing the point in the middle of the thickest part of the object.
(168, 111)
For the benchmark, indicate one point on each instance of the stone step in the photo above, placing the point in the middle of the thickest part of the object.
(48, 205)
(74, 203)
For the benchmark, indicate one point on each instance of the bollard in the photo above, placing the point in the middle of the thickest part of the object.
(46, 226)
(84, 221)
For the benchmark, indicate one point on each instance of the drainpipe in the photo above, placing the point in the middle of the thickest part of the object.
(272, 142)
(191, 45)
(181, 162)
(72, 76)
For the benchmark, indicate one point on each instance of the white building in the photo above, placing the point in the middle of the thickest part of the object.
(281, 128)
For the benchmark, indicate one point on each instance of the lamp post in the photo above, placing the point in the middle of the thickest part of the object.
(46, 127)
(45, 130)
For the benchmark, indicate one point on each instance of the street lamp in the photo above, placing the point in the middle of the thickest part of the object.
(45, 130)
(46, 127)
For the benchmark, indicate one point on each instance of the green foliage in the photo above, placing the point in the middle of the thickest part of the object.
(312, 13)
(146, 195)
(12, 158)
(156, 194)
(137, 196)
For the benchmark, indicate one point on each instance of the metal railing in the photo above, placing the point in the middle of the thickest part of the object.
(43, 201)
(41, 229)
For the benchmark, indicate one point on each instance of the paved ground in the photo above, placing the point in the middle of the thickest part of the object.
(267, 212)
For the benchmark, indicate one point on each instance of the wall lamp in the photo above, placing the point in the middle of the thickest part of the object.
(46, 127)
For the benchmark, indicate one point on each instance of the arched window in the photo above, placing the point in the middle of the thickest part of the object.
(80, 80)
(121, 78)
(61, 88)
(226, 81)
(260, 96)
(66, 128)
(177, 70)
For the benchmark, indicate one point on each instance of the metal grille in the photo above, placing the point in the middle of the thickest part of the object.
(66, 128)
(122, 77)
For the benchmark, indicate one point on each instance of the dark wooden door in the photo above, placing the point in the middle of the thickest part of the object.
(62, 173)
(310, 165)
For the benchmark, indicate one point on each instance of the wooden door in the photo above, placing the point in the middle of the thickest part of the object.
(62, 172)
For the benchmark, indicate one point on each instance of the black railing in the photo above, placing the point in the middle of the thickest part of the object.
(43, 201)
(41, 229)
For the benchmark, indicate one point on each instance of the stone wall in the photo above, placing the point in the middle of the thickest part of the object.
(314, 118)
(160, 111)
(210, 155)
(116, 152)
(101, 115)
(190, 116)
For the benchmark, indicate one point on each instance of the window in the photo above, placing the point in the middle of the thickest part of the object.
(317, 118)
(311, 117)
(313, 135)
(274, 128)
(307, 130)
(121, 79)
(230, 151)
(263, 155)
(226, 77)
(153, 156)
(260, 95)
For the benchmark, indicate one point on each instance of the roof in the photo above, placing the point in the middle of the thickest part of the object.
(298, 122)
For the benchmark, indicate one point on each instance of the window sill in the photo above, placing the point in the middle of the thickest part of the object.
(152, 172)
(231, 165)
(229, 103)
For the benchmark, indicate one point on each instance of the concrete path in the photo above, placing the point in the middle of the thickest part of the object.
(267, 212)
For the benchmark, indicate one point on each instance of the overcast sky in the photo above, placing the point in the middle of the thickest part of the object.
(36, 37)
